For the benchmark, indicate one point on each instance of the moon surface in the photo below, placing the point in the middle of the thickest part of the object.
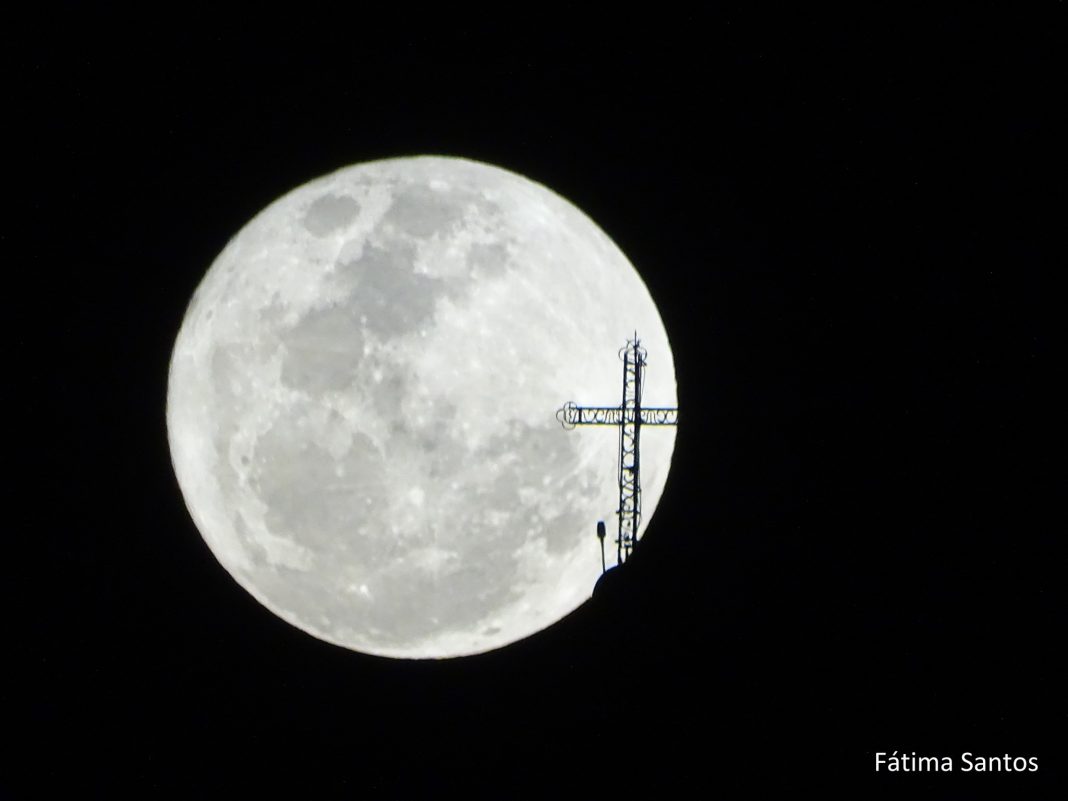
(361, 405)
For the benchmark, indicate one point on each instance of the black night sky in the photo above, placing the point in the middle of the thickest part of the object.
(848, 225)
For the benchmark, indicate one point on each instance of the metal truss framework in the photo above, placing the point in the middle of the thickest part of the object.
(630, 416)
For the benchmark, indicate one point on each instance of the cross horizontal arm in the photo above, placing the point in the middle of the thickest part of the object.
(571, 415)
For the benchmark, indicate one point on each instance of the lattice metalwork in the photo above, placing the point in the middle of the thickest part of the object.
(571, 415)
(630, 416)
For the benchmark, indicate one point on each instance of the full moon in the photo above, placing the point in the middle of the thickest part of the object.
(361, 405)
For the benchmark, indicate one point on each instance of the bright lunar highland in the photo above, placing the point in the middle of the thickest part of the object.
(361, 405)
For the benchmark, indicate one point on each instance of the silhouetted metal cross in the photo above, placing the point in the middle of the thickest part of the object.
(630, 416)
